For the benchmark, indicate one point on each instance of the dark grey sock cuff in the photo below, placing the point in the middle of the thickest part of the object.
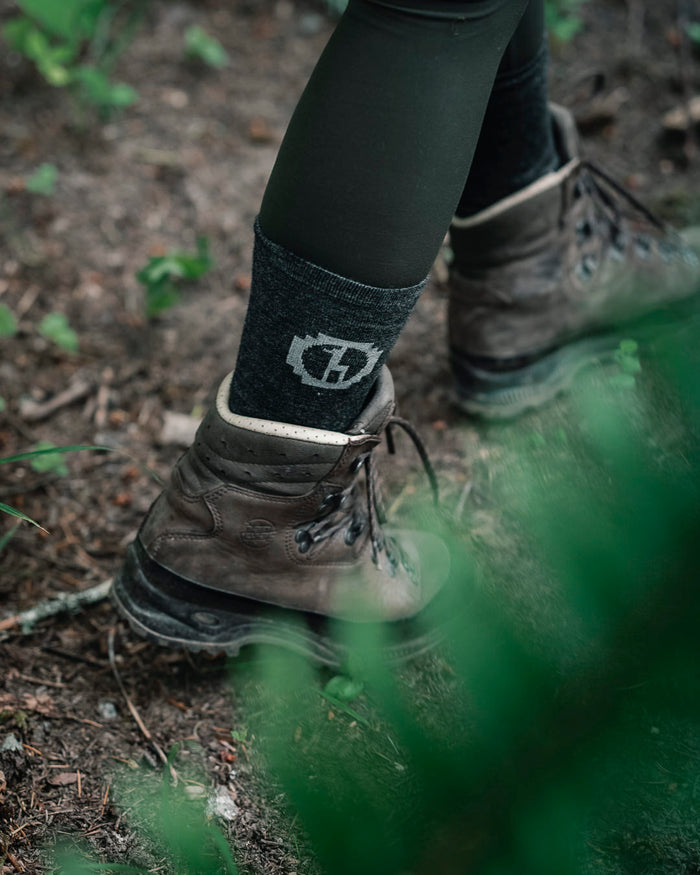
(313, 342)
(279, 262)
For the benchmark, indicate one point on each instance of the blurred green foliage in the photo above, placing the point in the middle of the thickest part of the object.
(56, 328)
(43, 180)
(534, 742)
(57, 36)
(202, 47)
(163, 274)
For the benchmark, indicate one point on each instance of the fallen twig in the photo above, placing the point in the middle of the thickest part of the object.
(33, 411)
(50, 607)
(132, 709)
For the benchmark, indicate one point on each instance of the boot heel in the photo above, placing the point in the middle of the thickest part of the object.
(495, 389)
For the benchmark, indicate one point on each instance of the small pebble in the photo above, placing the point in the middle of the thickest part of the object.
(310, 23)
(107, 710)
(222, 805)
(12, 743)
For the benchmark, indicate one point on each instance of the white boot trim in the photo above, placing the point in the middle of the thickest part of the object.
(278, 429)
(544, 183)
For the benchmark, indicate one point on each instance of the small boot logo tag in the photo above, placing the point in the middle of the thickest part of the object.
(330, 363)
(258, 534)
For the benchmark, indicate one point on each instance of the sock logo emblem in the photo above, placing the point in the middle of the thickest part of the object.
(330, 363)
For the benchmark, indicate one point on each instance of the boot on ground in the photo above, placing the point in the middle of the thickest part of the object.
(271, 533)
(543, 282)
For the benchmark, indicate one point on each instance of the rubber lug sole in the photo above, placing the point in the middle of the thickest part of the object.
(177, 613)
(501, 394)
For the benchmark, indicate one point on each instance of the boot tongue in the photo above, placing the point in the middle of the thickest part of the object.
(378, 407)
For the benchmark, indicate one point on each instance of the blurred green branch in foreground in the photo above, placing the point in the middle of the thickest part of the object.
(556, 730)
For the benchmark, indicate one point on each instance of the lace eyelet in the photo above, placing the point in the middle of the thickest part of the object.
(353, 532)
(585, 269)
(356, 464)
(584, 230)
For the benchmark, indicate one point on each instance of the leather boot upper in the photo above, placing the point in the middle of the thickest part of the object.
(280, 513)
(569, 255)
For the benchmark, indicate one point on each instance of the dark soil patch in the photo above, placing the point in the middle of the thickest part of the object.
(190, 159)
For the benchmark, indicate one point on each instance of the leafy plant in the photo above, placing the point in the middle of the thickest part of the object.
(43, 180)
(56, 35)
(202, 47)
(55, 327)
(163, 273)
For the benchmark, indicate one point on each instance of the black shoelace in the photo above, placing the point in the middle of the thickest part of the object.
(334, 515)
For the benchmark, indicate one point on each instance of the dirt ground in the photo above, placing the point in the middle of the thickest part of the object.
(191, 158)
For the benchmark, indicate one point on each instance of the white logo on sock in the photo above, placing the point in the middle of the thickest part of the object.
(325, 361)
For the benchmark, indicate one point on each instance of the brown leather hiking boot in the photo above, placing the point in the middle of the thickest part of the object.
(266, 530)
(542, 279)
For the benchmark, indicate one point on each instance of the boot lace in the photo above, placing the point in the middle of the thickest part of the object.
(339, 510)
(615, 206)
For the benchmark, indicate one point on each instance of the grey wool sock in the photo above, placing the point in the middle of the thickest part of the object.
(313, 342)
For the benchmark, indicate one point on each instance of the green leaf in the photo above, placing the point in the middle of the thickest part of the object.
(3, 404)
(5, 508)
(160, 274)
(8, 323)
(43, 180)
(97, 89)
(343, 688)
(15, 32)
(69, 19)
(55, 327)
(205, 48)
(20, 457)
(161, 296)
(629, 346)
(49, 462)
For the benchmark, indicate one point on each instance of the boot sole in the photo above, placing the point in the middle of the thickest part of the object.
(501, 394)
(176, 613)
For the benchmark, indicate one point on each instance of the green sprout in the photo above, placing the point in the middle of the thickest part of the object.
(55, 327)
(202, 47)
(162, 274)
(43, 180)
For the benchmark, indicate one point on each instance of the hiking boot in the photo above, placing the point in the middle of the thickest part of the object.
(270, 533)
(542, 279)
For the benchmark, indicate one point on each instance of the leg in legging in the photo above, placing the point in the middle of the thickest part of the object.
(367, 179)
(516, 145)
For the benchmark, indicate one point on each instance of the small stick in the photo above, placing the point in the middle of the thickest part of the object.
(15, 862)
(132, 709)
(459, 509)
(51, 607)
(33, 411)
(79, 786)
(41, 681)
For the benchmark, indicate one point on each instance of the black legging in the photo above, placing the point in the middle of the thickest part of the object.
(376, 155)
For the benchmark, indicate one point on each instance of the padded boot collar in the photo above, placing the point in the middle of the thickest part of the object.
(370, 421)
(567, 143)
